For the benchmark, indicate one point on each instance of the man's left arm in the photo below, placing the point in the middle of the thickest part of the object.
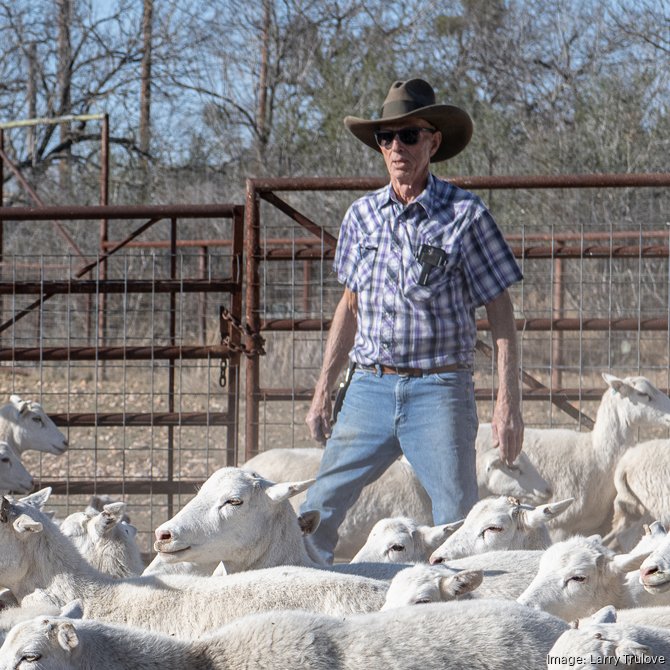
(507, 423)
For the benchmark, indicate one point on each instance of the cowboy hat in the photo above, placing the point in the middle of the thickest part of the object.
(416, 98)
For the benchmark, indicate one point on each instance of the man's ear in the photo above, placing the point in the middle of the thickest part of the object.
(436, 140)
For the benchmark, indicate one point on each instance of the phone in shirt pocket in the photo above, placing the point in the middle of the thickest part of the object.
(430, 270)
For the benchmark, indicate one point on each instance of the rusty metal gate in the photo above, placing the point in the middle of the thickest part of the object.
(594, 252)
(135, 351)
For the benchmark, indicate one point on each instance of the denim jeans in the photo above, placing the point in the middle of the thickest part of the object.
(432, 420)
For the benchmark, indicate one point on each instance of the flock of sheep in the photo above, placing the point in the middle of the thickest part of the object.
(564, 562)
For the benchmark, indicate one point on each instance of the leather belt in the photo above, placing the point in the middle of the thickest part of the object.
(413, 372)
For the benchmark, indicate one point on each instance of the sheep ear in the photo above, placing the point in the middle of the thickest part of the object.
(220, 570)
(37, 499)
(460, 583)
(24, 524)
(656, 528)
(115, 509)
(605, 614)
(20, 404)
(630, 561)
(434, 536)
(67, 636)
(618, 385)
(543, 513)
(309, 521)
(613, 382)
(72, 610)
(280, 492)
(630, 649)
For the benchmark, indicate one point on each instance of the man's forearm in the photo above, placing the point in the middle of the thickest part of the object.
(500, 315)
(507, 422)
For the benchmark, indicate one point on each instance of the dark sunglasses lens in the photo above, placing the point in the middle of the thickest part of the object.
(408, 136)
(384, 138)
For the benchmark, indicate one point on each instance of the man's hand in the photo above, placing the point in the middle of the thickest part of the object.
(318, 417)
(507, 429)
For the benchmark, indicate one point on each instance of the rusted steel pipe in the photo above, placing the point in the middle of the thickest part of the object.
(583, 394)
(567, 324)
(122, 487)
(96, 212)
(148, 353)
(301, 219)
(650, 179)
(90, 420)
(545, 252)
(117, 286)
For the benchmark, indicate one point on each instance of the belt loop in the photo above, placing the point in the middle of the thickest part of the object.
(378, 370)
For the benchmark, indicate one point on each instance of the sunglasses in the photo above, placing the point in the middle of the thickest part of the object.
(407, 136)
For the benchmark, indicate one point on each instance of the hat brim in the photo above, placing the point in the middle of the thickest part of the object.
(454, 123)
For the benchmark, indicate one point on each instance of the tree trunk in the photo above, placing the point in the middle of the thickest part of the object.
(64, 83)
(261, 114)
(145, 96)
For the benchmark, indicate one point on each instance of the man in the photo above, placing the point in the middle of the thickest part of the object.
(416, 258)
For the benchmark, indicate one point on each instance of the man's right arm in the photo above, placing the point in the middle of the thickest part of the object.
(338, 345)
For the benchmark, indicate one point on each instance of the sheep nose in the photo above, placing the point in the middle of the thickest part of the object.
(647, 572)
(162, 534)
(436, 560)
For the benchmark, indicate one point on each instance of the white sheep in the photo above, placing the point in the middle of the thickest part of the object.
(603, 642)
(40, 565)
(581, 465)
(105, 540)
(398, 491)
(423, 583)
(240, 519)
(654, 573)
(578, 576)
(500, 523)
(506, 573)
(475, 635)
(402, 540)
(642, 493)
(26, 426)
(14, 478)
(247, 523)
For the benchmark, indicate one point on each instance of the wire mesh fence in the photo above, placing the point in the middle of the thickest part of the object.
(129, 356)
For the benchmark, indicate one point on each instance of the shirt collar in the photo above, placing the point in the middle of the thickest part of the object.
(426, 198)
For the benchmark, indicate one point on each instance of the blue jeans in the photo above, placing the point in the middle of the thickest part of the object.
(432, 420)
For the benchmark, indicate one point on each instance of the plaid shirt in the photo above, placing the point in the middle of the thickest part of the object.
(400, 322)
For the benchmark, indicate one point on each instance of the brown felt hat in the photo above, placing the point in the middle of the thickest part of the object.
(415, 97)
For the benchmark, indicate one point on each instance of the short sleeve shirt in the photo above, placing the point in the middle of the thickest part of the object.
(401, 322)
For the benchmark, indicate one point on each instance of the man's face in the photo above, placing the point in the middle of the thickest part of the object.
(408, 164)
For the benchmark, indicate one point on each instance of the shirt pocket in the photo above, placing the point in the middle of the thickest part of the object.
(368, 248)
(439, 278)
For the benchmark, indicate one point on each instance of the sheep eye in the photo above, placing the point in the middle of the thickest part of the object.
(235, 502)
(31, 658)
(492, 529)
(423, 601)
(38, 419)
(576, 578)
(397, 547)
(5, 459)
